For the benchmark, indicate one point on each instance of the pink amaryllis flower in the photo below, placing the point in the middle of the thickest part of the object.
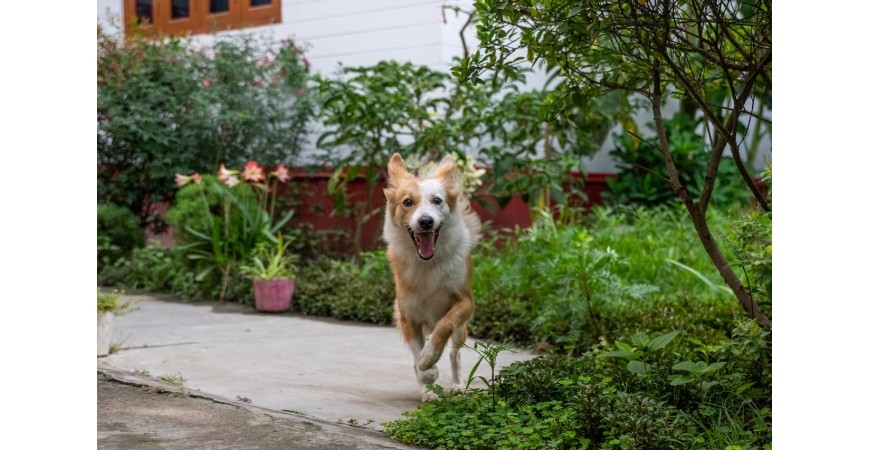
(181, 180)
(225, 174)
(206, 83)
(282, 173)
(253, 172)
(231, 181)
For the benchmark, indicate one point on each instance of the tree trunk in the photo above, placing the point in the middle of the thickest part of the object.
(698, 214)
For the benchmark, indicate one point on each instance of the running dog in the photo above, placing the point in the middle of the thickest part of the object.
(433, 286)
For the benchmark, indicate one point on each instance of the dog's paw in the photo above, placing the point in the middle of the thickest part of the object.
(428, 357)
(455, 389)
(428, 376)
(430, 397)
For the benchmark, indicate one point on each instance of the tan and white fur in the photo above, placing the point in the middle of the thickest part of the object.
(430, 230)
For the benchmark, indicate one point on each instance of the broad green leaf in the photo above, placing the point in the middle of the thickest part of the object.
(660, 342)
(685, 365)
(637, 367)
(680, 380)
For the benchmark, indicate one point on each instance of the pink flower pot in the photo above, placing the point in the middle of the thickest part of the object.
(273, 295)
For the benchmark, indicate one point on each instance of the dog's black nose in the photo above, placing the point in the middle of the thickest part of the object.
(426, 222)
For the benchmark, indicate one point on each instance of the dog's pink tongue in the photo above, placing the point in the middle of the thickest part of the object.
(426, 246)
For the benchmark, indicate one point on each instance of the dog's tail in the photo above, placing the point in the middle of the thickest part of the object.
(471, 219)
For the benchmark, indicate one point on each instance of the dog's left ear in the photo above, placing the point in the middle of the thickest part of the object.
(396, 169)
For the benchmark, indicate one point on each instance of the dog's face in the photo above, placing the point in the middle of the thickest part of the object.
(421, 206)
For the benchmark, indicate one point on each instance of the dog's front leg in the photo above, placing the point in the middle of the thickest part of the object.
(413, 334)
(457, 316)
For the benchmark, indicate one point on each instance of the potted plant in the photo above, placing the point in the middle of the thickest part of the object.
(109, 305)
(272, 269)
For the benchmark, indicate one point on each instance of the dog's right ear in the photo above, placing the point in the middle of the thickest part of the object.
(396, 169)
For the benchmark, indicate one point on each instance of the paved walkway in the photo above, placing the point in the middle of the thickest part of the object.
(325, 369)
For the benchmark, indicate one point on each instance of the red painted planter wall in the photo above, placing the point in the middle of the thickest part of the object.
(312, 188)
(318, 205)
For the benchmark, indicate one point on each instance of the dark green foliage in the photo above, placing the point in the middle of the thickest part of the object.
(164, 107)
(347, 289)
(644, 178)
(157, 270)
(118, 233)
(631, 395)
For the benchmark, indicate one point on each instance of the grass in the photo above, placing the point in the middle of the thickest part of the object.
(176, 379)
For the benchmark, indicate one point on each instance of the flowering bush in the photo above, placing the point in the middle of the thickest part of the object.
(223, 219)
(164, 106)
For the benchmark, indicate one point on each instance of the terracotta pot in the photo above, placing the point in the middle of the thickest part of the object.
(273, 295)
(104, 333)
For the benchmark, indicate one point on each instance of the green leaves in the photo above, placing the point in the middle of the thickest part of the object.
(164, 107)
(659, 342)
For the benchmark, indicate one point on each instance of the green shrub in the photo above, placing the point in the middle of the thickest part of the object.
(222, 225)
(166, 107)
(605, 277)
(636, 394)
(643, 176)
(118, 233)
(751, 243)
(169, 271)
(347, 289)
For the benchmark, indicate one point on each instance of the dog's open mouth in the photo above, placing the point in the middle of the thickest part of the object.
(425, 242)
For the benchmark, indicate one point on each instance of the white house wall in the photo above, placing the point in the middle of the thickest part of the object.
(338, 33)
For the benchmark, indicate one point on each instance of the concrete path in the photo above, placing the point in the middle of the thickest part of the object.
(330, 370)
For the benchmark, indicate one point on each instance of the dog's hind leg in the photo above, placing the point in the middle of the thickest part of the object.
(413, 334)
(458, 340)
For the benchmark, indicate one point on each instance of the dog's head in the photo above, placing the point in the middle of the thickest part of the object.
(422, 206)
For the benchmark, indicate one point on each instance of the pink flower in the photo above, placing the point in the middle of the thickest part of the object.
(231, 180)
(223, 173)
(181, 180)
(306, 62)
(253, 172)
(206, 83)
(282, 173)
(300, 91)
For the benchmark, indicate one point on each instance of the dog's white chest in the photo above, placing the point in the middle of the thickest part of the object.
(432, 289)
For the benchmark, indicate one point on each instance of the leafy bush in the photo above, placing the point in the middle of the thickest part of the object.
(347, 289)
(631, 395)
(165, 107)
(153, 269)
(643, 177)
(752, 246)
(578, 283)
(118, 233)
(233, 220)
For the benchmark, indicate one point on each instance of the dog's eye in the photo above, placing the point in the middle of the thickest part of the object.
(407, 202)
(437, 200)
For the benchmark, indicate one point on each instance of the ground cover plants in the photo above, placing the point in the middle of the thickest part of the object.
(648, 392)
